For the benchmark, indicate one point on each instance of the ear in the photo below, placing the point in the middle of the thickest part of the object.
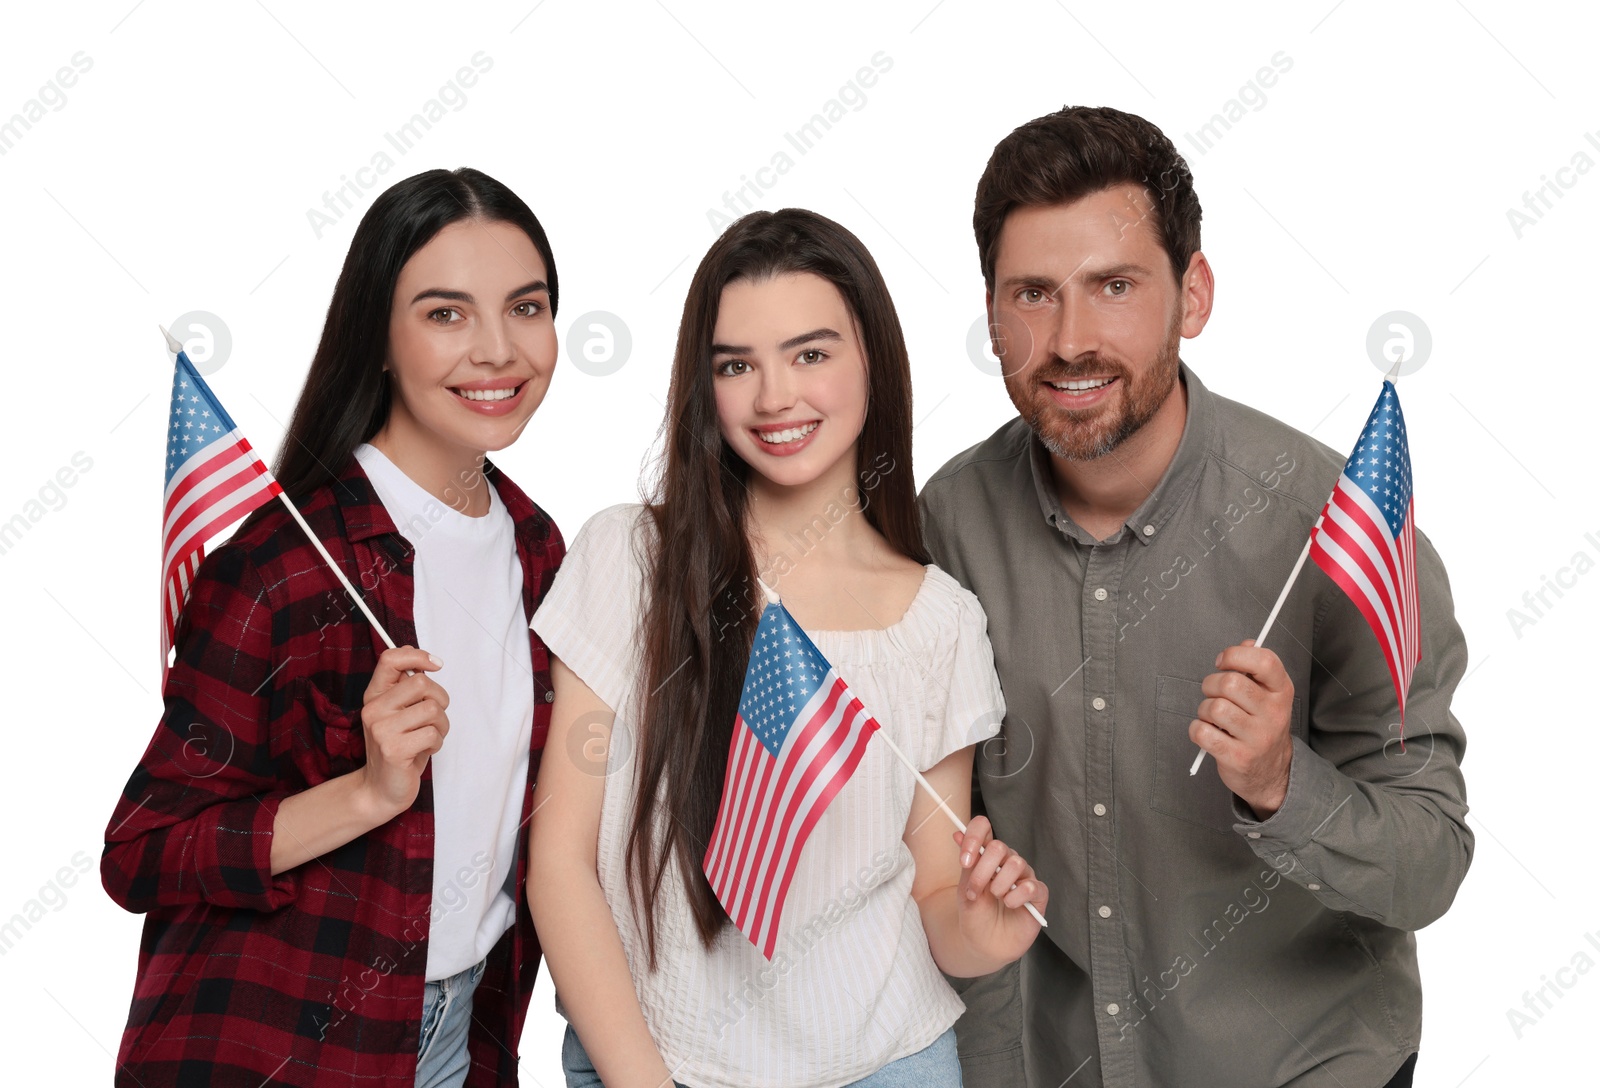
(1195, 295)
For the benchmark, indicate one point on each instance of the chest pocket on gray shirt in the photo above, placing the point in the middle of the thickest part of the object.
(1202, 799)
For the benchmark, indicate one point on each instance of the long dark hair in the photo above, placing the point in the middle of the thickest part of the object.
(345, 400)
(701, 614)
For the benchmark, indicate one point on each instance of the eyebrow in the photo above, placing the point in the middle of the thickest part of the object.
(1049, 283)
(792, 342)
(463, 296)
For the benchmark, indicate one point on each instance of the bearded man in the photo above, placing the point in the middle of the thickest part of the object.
(1252, 924)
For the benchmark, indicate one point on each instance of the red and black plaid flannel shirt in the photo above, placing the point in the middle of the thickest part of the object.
(313, 976)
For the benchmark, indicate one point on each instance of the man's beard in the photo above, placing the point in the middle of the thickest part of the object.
(1071, 438)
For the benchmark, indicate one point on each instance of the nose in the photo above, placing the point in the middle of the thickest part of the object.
(491, 341)
(1077, 328)
(775, 391)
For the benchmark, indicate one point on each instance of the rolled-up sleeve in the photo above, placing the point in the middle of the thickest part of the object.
(195, 821)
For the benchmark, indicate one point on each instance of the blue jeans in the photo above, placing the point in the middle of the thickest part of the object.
(934, 1066)
(442, 1060)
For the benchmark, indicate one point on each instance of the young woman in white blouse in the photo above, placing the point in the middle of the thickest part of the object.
(787, 459)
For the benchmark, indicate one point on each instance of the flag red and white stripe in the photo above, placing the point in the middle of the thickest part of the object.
(214, 479)
(798, 738)
(1366, 542)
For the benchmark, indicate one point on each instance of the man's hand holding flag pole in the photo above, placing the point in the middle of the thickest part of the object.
(1365, 540)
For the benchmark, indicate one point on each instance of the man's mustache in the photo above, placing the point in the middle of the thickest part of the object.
(1057, 369)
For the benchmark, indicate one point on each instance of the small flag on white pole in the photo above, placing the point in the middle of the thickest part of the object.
(798, 737)
(213, 478)
(1365, 540)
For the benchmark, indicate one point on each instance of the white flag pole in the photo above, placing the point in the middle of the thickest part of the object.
(339, 574)
(946, 809)
(1283, 595)
(175, 346)
(1393, 377)
(772, 598)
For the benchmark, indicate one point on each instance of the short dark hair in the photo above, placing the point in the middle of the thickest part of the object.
(1078, 150)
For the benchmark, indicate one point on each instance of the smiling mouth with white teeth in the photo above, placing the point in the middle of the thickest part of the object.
(1083, 385)
(488, 394)
(792, 434)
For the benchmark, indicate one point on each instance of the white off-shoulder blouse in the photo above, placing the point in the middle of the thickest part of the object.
(852, 984)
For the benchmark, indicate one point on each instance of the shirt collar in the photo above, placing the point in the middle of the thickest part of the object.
(1145, 523)
(364, 513)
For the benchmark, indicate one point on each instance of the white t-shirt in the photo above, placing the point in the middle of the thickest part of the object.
(468, 613)
(852, 984)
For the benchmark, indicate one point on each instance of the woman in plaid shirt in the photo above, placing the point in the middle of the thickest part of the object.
(330, 875)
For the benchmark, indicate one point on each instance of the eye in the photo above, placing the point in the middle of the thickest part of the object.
(1124, 284)
(434, 315)
(725, 367)
(528, 308)
(812, 356)
(1031, 294)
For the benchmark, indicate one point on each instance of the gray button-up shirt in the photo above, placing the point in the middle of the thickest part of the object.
(1189, 943)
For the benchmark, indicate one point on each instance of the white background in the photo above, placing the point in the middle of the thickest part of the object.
(1374, 175)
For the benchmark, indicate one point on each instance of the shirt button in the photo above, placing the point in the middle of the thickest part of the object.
(1099, 703)
(549, 696)
(1253, 834)
(1104, 912)
(1113, 1008)
(1149, 530)
(1313, 887)
(1099, 810)
(1099, 594)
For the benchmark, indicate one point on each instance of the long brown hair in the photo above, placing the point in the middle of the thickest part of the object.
(700, 614)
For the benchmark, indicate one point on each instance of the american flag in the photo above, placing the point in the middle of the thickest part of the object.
(214, 478)
(798, 737)
(1366, 539)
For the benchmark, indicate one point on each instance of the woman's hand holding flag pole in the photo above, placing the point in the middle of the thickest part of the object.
(214, 478)
(947, 810)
